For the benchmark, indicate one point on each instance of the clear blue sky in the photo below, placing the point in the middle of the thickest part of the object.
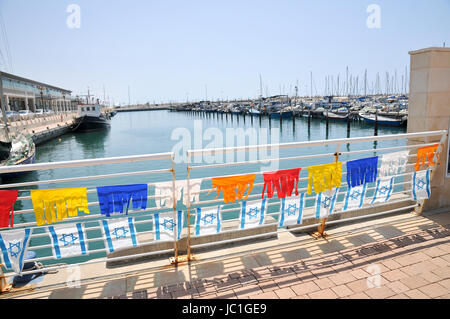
(169, 50)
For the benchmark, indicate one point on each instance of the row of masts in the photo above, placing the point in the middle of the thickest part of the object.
(353, 85)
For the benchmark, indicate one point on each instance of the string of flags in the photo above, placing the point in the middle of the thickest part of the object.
(68, 240)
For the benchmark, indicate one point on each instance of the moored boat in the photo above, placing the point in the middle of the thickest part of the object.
(334, 116)
(90, 119)
(21, 150)
(381, 120)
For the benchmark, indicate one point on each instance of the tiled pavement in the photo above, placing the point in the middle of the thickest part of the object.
(415, 265)
(413, 262)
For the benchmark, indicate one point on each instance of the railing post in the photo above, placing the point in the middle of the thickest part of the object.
(321, 227)
(189, 257)
(419, 208)
(174, 200)
(4, 287)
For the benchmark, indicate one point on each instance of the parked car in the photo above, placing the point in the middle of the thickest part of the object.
(48, 111)
(39, 111)
(25, 113)
(12, 115)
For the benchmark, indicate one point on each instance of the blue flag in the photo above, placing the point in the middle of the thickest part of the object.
(383, 190)
(168, 228)
(14, 244)
(119, 233)
(421, 185)
(354, 197)
(68, 240)
(325, 202)
(252, 213)
(207, 221)
(113, 199)
(292, 210)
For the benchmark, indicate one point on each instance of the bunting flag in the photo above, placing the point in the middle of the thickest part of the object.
(427, 153)
(14, 245)
(421, 185)
(207, 221)
(393, 163)
(362, 171)
(292, 210)
(68, 240)
(324, 177)
(53, 205)
(112, 199)
(354, 197)
(383, 190)
(233, 187)
(325, 202)
(7, 200)
(167, 227)
(164, 192)
(252, 213)
(119, 233)
(283, 181)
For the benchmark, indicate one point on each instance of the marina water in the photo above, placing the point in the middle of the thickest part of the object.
(146, 132)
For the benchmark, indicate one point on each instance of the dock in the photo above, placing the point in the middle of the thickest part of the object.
(41, 129)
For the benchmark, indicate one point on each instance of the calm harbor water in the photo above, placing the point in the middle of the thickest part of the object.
(146, 132)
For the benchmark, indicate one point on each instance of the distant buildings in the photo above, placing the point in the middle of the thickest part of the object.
(25, 94)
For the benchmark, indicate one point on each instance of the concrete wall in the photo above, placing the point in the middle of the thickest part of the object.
(429, 110)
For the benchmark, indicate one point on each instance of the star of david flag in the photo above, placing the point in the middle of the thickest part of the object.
(119, 233)
(354, 197)
(421, 185)
(325, 202)
(68, 240)
(14, 244)
(167, 227)
(383, 190)
(252, 213)
(292, 210)
(207, 221)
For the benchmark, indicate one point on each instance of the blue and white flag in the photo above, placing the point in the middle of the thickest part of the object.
(14, 244)
(119, 233)
(292, 210)
(383, 190)
(207, 221)
(354, 197)
(68, 240)
(325, 202)
(252, 213)
(421, 185)
(167, 227)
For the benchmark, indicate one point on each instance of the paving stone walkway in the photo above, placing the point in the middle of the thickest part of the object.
(407, 258)
(415, 265)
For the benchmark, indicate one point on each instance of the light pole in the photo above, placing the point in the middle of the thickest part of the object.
(2, 106)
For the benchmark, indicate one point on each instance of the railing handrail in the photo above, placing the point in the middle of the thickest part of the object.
(86, 162)
(314, 143)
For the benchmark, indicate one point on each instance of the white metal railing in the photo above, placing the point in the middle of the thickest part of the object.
(37, 236)
(400, 195)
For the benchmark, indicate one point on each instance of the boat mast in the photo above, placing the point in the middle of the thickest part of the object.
(2, 106)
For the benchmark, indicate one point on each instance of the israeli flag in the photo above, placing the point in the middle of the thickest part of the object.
(252, 213)
(354, 197)
(14, 244)
(383, 190)
(325, 202)
(292, 210)
(168, 228)
(421, 185)
(68, 240)
(119, 233)
(207, 222)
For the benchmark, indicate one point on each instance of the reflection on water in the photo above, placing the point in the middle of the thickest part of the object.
(92, 144)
